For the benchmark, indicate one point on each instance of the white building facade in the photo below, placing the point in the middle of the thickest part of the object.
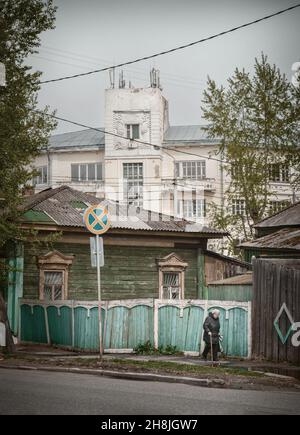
(142, 160)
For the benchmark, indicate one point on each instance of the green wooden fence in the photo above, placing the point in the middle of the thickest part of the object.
(240, 293)
(129, 323)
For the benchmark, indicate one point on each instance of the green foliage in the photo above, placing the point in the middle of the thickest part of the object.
(258, 120)
(148, 349)
(23, 133)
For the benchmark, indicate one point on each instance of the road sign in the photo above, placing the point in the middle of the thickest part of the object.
(93, 244)
(96, 219)
(97, 222)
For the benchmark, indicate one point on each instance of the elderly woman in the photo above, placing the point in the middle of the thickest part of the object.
(212, 335)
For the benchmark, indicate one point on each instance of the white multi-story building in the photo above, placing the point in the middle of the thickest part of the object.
(143, 160)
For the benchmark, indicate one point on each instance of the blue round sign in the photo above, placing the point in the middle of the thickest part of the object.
(96, 219)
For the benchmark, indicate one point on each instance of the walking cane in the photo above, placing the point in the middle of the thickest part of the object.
(211, 351)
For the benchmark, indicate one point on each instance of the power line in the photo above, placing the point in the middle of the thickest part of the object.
(192, 183)
(78, 124)
(169, 81)
(95, 61)
(172, 182)
(172, 50)
(163, 148)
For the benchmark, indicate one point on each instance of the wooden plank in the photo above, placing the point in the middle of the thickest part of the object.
(119, 276)
(276, 282)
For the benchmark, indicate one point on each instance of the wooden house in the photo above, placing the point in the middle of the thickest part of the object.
(147, 255)
(277, 236)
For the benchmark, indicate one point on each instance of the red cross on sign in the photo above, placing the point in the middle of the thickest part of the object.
(96, 219)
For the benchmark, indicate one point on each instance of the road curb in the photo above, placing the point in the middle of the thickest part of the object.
(209, 383)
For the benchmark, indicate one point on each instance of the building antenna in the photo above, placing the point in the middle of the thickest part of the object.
(112, 78)
(155, 78)
(122, 82)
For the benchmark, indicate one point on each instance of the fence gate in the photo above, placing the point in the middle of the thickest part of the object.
(276, 308)
(180, 324)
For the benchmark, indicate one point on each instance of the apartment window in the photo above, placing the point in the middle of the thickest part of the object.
(192, 208)
(191, 170)
(133, 174)
(86, 172)
(42, 177)
(237, 172)
(277, 206)
(54, 276)
(238, 207)
(133, 131)
(279, 173)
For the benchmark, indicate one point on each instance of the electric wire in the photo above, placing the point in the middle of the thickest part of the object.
(172, 50)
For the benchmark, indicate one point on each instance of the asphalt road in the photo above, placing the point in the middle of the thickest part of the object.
(33, 392)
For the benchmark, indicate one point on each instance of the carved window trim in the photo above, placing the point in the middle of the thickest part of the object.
(172, 264)
(55, 261)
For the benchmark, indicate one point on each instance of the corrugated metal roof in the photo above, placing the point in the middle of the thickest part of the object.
(288, 217)
(187, 133)
(242, 264)
(194, 227)
(246, 279)
(286, 239)
(180, 134)
(58, 204)
(83, 138)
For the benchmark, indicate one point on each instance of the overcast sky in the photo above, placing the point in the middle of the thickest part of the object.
(91, 34)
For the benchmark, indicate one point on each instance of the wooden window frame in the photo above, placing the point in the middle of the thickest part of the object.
(172, 264)
(55, 261)
(42, 278)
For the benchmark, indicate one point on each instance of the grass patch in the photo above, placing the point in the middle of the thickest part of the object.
(148, 349)
(185, 368)
(166, 367)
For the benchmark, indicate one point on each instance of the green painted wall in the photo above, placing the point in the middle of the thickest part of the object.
(249, 253)
(239, 293)
(129, 272)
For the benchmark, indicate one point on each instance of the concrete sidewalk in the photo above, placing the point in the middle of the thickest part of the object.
(280, 370)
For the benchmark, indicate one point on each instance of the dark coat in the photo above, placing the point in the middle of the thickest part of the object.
(211, 325)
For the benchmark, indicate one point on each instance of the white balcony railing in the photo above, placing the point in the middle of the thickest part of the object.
(206, 184)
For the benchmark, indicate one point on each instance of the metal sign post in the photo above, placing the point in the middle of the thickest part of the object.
(97, 222)
(99, 295)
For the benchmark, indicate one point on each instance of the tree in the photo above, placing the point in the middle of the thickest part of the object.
(23, 132)
(258, 121)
